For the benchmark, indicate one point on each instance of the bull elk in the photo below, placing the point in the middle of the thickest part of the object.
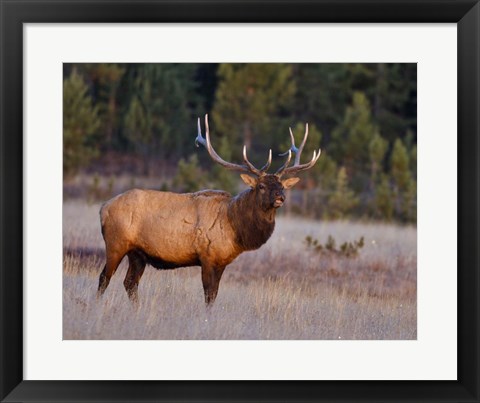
(209, 228)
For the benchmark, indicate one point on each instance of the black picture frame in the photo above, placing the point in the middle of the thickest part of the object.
(14, 13)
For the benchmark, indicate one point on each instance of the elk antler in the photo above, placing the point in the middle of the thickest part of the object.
(247, 167)
(297, 167)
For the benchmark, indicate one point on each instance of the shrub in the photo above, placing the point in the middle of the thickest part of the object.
(347, 249)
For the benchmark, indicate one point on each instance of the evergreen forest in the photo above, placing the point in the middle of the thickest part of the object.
(140, 121)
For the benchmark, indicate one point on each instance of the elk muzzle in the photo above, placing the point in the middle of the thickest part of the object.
(279, 199)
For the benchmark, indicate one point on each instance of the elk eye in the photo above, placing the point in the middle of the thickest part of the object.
(261, 186)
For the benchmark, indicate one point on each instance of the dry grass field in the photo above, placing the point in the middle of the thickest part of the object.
(281, 291)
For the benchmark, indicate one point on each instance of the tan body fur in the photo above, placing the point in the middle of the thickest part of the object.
(183, 228)
(169, 230)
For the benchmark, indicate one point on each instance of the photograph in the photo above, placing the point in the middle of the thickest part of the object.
(223, 201)
(239, 201)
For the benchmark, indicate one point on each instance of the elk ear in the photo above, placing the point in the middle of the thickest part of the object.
(290, 182)
(249, 180)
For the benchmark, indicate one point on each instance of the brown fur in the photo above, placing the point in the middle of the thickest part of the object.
(169, 230)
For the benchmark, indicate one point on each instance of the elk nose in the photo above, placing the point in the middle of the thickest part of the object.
(279, 194)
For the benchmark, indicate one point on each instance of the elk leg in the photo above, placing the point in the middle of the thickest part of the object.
(211, 276)
(113, 260)
(135, 271)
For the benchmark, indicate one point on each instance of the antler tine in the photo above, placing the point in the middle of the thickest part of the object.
(248, 168)
(295, 149)
(292, 148)
(300, 149)
(297, 167)
(249, 164)
(200, 140)
(281, 170)
(269, 162)
(303, 167)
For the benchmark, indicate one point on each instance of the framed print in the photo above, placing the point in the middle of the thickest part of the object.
(344, 300)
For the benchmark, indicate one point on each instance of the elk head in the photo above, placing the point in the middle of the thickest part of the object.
(268, 189)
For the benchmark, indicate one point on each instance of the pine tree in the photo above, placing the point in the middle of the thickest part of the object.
(249, 103)
(189, 177)
(413, 161)
(325, 174)
(384, 203)
(158, 120)
(351, 138)
(343, 200)
(395, 95)
(323, 92)
(377, 149)
(107, 78)
(410, 202)
(325, 171)
(404, 184)
(138, 126)
(222, 178)
(80, 123)
(400, 166)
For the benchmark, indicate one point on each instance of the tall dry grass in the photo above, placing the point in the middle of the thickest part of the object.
(281, 291)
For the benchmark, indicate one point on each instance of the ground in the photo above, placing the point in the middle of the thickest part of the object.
(281, 291)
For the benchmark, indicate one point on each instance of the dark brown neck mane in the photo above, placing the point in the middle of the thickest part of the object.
(251, 223)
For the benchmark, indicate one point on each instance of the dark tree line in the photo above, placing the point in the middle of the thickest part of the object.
(362, 115)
